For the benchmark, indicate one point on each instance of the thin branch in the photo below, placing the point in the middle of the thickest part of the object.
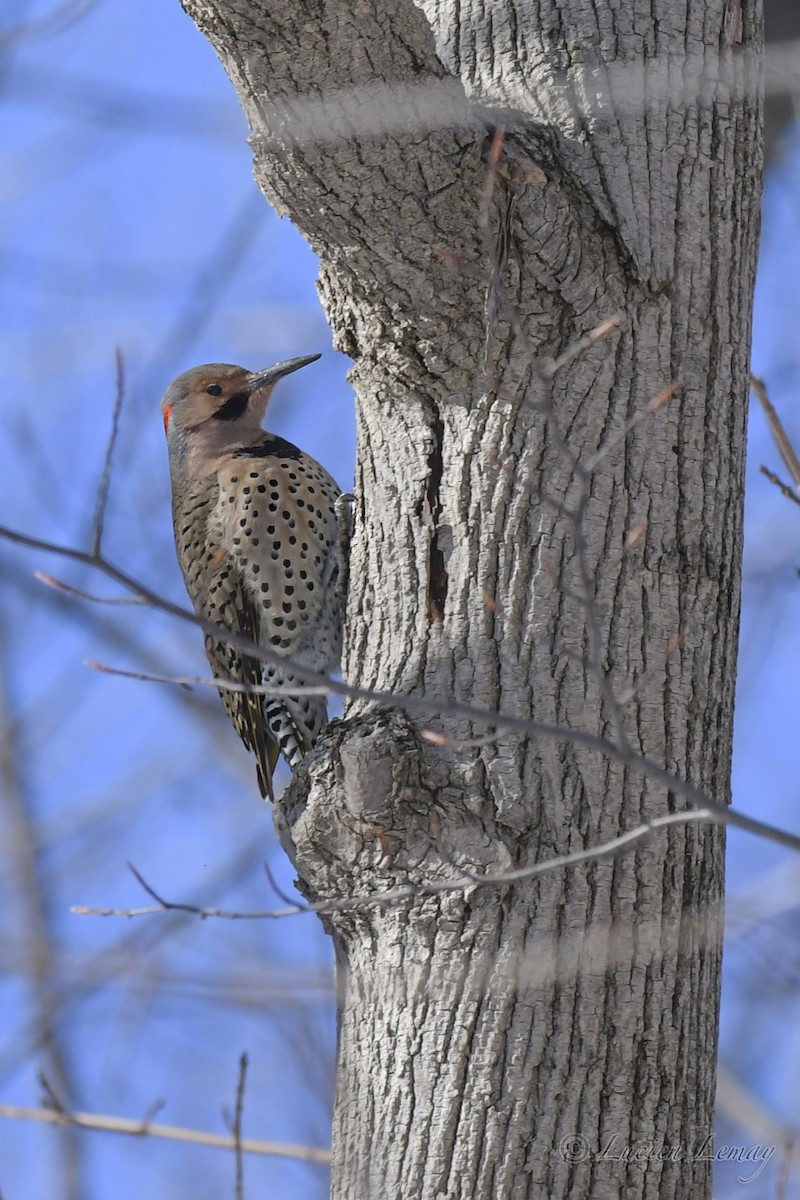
(237, 1125)
(175, 1133)
(574, 513)
(146, 595)
(105, 479)
(648, 675)
(434, 887)
(779, 434)
(105, 966)
(59, 586)
(616, 439)
(221, 685)
(577, 347)
(102, 564)
(377, 108)
(622, 753)
(782, 487)
(545, 371)
(273, 883)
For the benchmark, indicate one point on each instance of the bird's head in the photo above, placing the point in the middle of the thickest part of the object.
(221, 403)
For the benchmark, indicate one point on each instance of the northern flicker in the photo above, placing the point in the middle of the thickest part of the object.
(259, 530)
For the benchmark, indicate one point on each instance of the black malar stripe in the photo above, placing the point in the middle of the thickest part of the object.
(233, 407)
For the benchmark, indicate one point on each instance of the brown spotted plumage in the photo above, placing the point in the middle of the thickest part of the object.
(261, 543)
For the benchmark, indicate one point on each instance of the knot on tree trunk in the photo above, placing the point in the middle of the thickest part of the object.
(369, 811)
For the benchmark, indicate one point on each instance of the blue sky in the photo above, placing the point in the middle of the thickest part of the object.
(131, 220)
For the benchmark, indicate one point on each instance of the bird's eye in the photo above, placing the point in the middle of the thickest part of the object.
(214, 389)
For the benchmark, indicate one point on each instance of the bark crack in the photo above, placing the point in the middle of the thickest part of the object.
(437, 571)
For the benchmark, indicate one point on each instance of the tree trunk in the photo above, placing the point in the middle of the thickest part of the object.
(484, 186)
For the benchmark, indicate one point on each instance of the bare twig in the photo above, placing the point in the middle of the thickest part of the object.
(545, 371)
(630, 693)
(59, 586)
(573, 513)
(222, 685)
(175, 1133)
(616, 439)
(105, 479)
(782, 487)
(549, 370)
(100, 563)
(434, 887)
(621, 752)
(237, 1126)
(779, 434)
(279, 892)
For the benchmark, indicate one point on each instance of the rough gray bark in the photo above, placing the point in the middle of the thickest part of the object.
(481, 1032)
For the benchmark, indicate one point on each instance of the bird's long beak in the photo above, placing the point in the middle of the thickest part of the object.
(270, 375)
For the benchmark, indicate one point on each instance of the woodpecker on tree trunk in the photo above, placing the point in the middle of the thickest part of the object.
(261, 535)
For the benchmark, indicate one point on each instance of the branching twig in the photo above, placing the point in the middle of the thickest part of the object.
(616, 439)
(782, 487)
(574, 513)
(434, 887)
(619, 752)
(175, 1133)
(545, 371)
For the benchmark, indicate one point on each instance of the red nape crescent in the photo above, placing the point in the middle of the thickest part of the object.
(166, 410)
